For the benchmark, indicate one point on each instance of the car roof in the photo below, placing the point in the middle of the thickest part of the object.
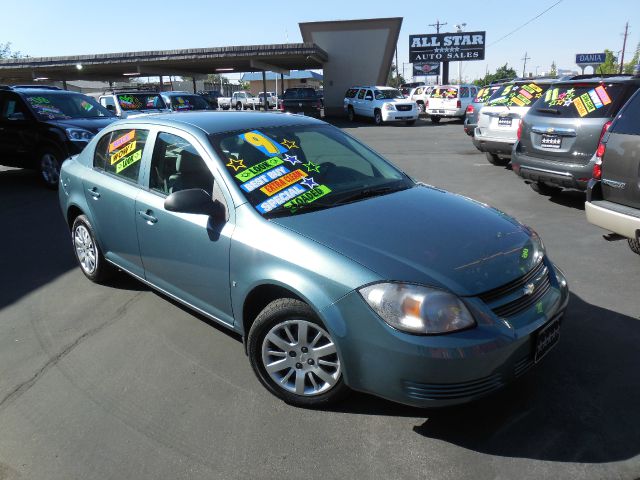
(219, 122)
(606, 79)
(39, 90)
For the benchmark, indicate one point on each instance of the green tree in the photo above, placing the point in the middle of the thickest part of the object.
(553, 71)
(394, 79)
(630, 67)
(610, 64)
(7, 52)
(503, 72)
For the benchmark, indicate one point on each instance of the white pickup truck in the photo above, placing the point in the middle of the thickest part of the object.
(258, 100)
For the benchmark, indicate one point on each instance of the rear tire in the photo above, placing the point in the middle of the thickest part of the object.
(238, 106)
(294, 356)
(351, 114)
(87, 251)
(435, 119)
(634, 245)
(495, 159)
(544, 189)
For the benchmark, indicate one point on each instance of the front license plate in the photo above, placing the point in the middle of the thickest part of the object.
(504, 121)
(547, 338)
(553, 142)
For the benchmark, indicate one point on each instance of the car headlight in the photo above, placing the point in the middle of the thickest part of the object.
(389, 106)
(416, 309)
(79, 134)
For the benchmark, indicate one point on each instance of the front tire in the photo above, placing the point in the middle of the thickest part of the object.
(351, 114)
(238, 106)
(377, 117)
(294, 356)
(49, 161)
(87, 251)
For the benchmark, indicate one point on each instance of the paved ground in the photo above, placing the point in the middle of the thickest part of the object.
(100, 382)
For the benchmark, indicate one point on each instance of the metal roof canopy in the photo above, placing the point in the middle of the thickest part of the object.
(189, 62)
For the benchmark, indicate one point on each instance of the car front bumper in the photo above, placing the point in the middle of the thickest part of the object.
(398, 116)
(552, 172)
(437, 370)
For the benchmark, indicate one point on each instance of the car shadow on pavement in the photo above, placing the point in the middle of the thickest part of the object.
(366, 123)
(569, 198)
(35, 244)
(580, 404)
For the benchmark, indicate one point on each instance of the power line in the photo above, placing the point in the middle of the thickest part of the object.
(525, 24)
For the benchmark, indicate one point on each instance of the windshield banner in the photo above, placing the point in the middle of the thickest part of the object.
(444, 47)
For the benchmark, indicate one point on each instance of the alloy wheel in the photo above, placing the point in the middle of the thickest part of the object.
(85, 249)
(50, 168)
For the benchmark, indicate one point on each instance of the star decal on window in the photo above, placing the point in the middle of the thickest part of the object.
(292, 159)
(289, 144)
(309, 182)
(236, 164)
(312, 167)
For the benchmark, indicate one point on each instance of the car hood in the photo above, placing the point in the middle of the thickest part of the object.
(94, 125)
(427, 236)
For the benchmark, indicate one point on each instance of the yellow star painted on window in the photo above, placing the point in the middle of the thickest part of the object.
(236, 164)
(289, 144)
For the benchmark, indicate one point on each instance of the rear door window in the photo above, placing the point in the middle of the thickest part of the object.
(628, 122)
(597, 100)
(120, 153)
(361, 94)
(517, 94)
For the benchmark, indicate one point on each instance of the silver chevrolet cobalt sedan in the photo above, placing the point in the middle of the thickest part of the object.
(339, 271)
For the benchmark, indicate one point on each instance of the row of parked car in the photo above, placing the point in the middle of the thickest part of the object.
(554, 134)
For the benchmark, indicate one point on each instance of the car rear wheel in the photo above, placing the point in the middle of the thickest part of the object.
(377, 117)
(294, 356)
(634, 245)
(435, 119)
(496, 159)
(49, 161)
(544, 189)
(351, 114)
(88, 254)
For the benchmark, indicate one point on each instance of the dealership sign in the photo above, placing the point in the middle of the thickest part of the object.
(426, 69)
(444, 47)
(590, 58)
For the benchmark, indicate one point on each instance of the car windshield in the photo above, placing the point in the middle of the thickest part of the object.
(388, 94)
(596, 100)
(63, 106)
(291, 170)
(300, 93)
(517, 94)
(188, 102)
(485, 93)
(140, 101)
(444, 92)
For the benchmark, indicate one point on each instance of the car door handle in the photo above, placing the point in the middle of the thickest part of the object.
(147, 216)
(94, 193)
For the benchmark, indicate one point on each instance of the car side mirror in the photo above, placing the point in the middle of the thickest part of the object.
(195, 201)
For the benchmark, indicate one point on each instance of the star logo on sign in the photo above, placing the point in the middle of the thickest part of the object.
(289, 144)
(312, 167)
(292, 159)
(309, 182)
(236, 164)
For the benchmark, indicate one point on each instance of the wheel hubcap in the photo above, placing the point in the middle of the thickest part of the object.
(85, 249)
(50, 168)
(301, 358)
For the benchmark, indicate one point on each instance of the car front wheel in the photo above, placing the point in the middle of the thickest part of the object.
(351, 114)
(88, 254)
(49, 161)
(294, 356)
(377, 117)
(238, 106)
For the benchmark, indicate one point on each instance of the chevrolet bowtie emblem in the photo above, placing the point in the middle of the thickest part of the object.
(528, 289)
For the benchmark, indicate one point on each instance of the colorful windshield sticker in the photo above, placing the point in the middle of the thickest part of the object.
(602, 93)
(309, 182)
(307, 197)
(587, 102)
(312, 167)
(236, 164)
(281, 198)
(39, 100)
(123, 153)
(283, 182)
(269, 147)
(582, 110)
(525, 253)
(292, 159)
(259, 168)
(118, 142)
(86, 105)
(264, 178)
(128, 161)
(520, 95)
(595, 99)
(129, 102)
(289, 144)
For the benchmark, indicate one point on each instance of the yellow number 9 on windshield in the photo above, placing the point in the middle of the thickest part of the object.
(263, 143)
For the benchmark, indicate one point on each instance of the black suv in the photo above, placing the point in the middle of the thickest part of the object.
(303, 100)
(613, 194)
(558, 137)
(211, 96)
(42, 126)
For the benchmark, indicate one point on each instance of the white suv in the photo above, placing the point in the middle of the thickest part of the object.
(420, 95)
(383, 104)
(450, 101)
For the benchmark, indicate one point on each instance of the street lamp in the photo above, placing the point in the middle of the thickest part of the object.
(459, 28)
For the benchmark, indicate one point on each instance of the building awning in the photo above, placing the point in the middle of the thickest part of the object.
(293, 75)
(188, 62)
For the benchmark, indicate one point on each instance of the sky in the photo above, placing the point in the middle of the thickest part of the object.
(73, 27)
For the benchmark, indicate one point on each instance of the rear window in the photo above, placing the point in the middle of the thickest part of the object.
(517, 94)
(351, 93)
(581, 100)
(140, 101)
(189, 102)
(485, 93)
(300, 93)
(444, 92)
(628, 122)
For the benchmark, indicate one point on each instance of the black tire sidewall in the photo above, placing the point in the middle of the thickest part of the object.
(103, 269)
(58, 156)
(377, 117)
(274, 313)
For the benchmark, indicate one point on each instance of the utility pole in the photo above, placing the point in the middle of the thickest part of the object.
(624, 45)
(524, 67)
(445, 65)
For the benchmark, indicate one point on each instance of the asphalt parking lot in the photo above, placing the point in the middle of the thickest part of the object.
(116, 381)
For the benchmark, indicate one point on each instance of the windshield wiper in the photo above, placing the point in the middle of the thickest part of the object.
(278, 211)
(368, 193)
(555, 111)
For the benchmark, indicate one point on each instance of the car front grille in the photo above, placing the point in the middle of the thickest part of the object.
(452, 391)
(530, 288)
(403, 108)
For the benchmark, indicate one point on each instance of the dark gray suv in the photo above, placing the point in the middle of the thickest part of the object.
(558, 137)
(613, 194)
